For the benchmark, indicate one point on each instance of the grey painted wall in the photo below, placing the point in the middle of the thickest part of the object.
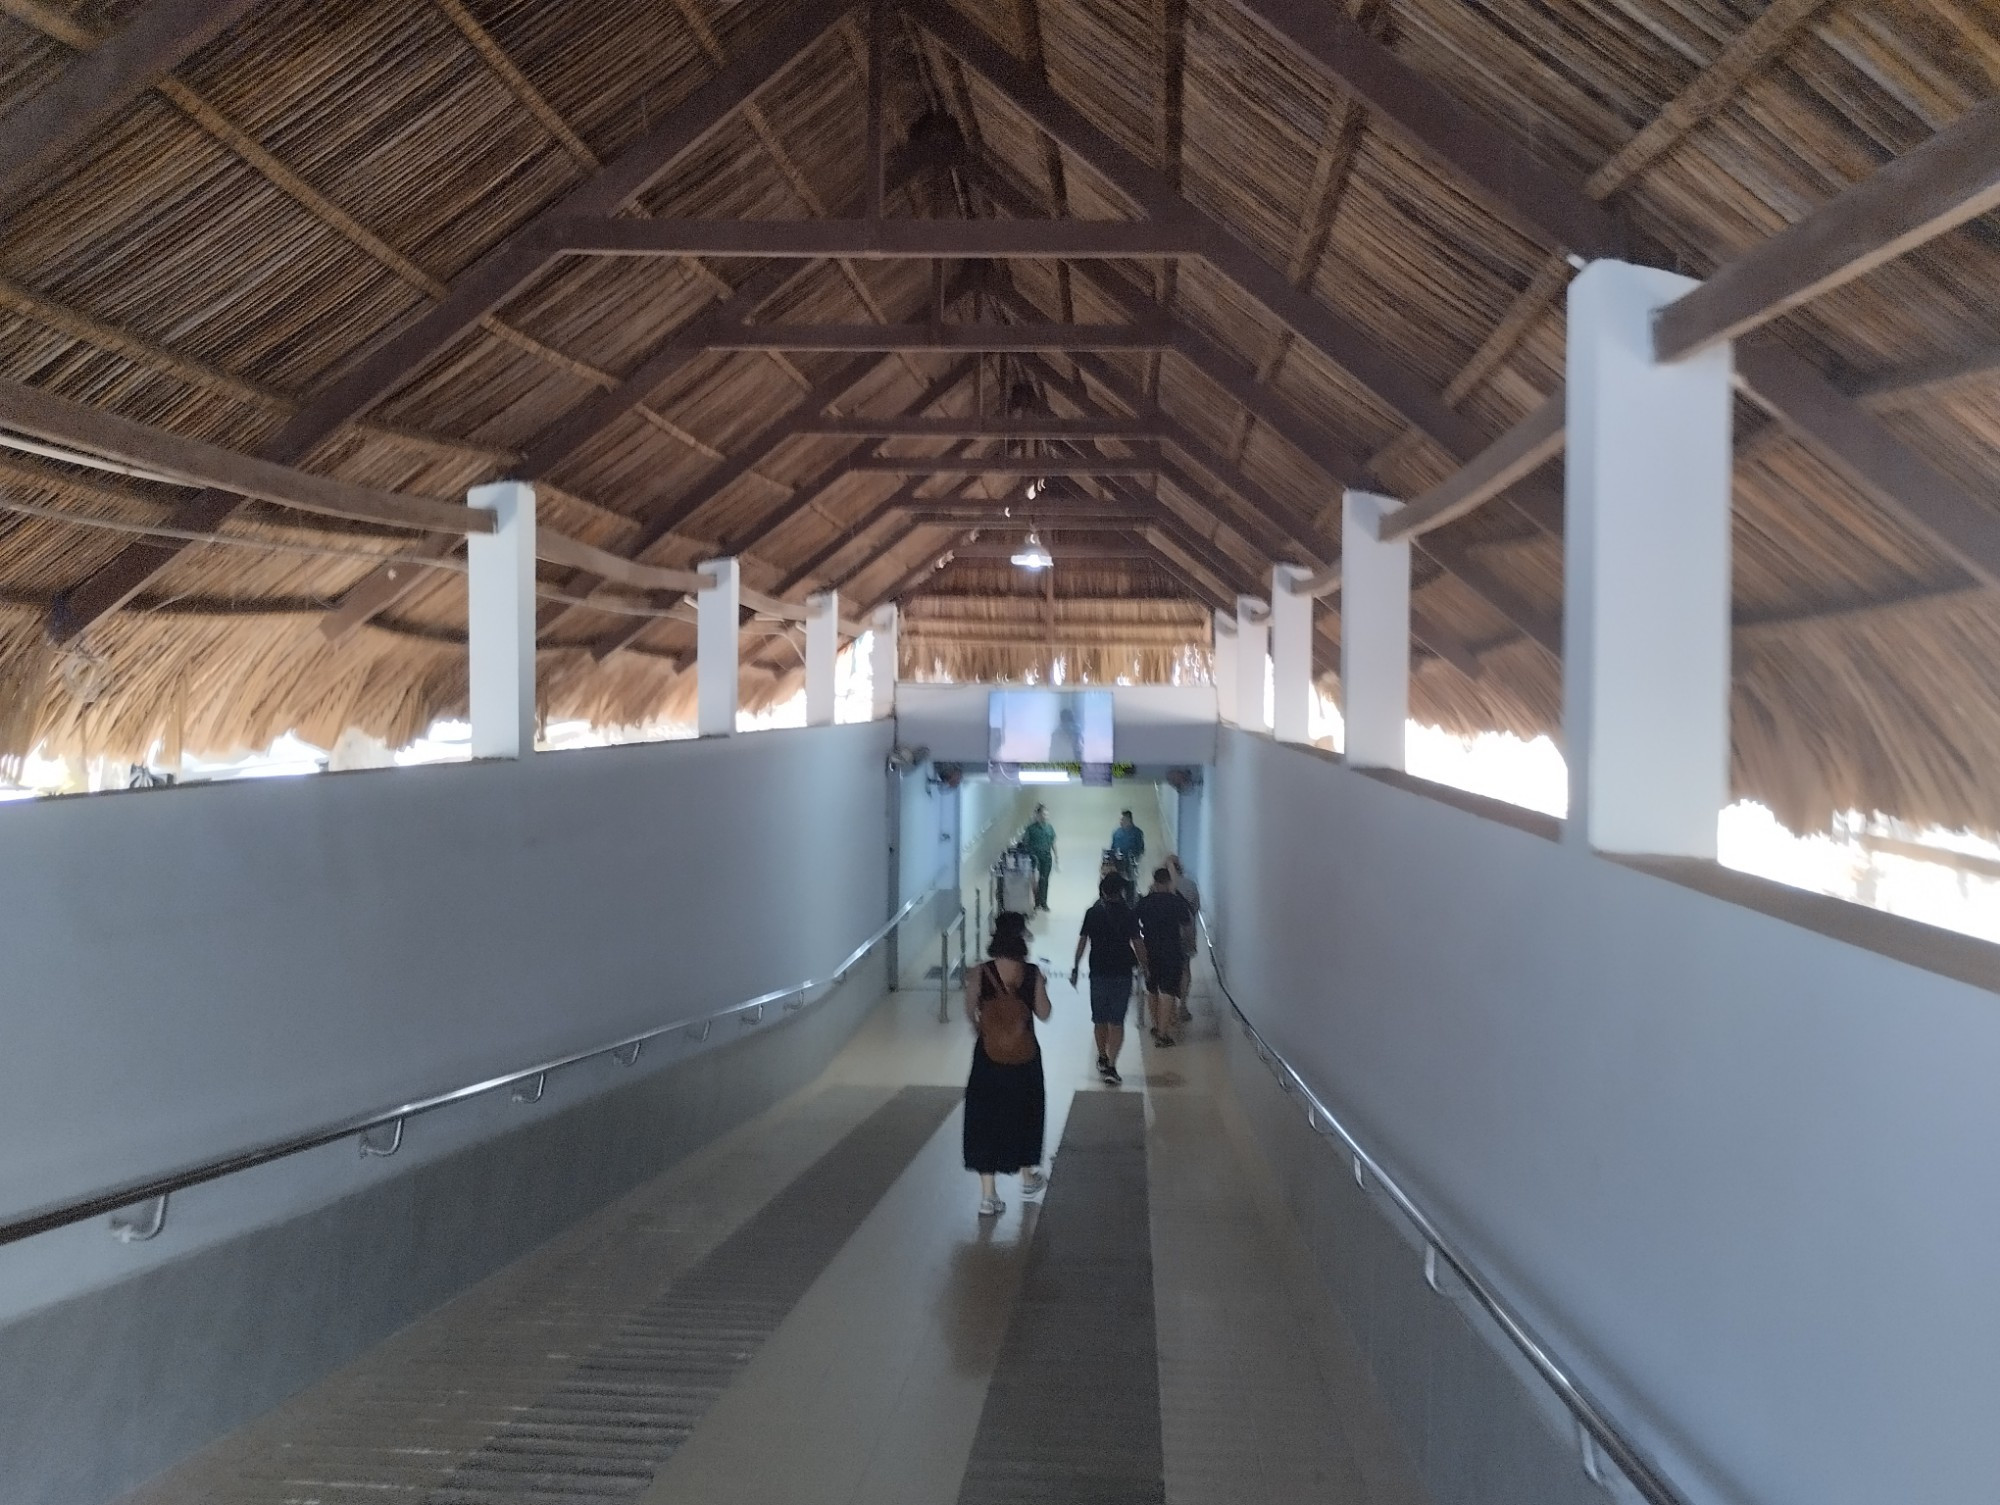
(1739, 1171)
(188, 970)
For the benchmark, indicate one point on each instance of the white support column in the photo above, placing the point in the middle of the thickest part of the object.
(1291, 655)
(885, 661)
(718, 624)
(1647, 587)
(1223, 657)
(822, 650)
(1374, 633)
(500, 621)
(1253, 639)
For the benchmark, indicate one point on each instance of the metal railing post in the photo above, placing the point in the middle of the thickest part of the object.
(944, 976)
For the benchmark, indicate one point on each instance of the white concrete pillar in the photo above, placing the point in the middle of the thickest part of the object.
(1647, 586)
(1291, 655)
(1253, 637)
(822, 651)
(1374, 633)
(885, 661)
(718, 625)
(1223, 657)
(500, 621)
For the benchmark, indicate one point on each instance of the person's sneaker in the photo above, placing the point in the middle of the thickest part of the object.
(1104, 1066)
(1163, 1041)
(1033, 1183)
(1185, 1013)
(1111, 1076)
(991, 1207)
(1158, 1038)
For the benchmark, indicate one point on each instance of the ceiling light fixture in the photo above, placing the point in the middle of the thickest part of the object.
(1032, 556)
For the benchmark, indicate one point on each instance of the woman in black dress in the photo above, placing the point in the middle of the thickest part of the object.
(1004, 1098)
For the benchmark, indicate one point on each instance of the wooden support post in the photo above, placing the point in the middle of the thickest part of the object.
(1291, 655)
(822, 651)
(716, 664)
(500, 622)
(884, 661)
(1647, 573)
(1374, 633)
(1253, 638)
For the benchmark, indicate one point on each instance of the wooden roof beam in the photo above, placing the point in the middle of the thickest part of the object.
(902, 499)
(874, 240)
(1513, 182)
(495, 276)
(862, 427)
(1151, 334)
(1951, 178)
(1529, 444)
(102, 81)
(1345, 343)
(1003, 465)
(92, 431)
(598, 412)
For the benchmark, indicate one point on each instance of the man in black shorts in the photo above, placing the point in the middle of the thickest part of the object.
(1164, 918)
(1112, 935)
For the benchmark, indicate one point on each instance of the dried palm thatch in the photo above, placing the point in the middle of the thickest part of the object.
(1084, 639)
(232, 240)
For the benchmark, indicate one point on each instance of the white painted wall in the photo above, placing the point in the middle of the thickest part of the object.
(1151, 724)
(1741, 1172)
(190, 969)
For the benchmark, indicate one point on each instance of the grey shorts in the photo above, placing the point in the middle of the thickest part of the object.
(1110, 996)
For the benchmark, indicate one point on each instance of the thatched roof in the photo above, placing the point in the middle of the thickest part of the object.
(223, 248)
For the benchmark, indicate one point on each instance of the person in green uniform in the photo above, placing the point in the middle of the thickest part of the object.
(1040, 840)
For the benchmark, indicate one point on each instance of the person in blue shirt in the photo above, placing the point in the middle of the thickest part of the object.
(1128, 845)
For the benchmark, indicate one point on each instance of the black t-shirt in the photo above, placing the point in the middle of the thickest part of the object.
(1162, 919)
(1111, 929)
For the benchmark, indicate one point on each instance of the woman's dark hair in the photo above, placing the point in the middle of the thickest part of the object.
(1010, 936)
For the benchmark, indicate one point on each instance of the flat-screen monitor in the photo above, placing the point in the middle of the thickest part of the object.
(1065, 728)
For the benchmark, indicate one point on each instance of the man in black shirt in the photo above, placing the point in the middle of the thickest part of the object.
(1112, 935)
(1164, 918)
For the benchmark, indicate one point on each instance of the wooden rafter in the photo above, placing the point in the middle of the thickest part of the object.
(103, 80)
(1333, 167)
(500, 272)
(1951, 178)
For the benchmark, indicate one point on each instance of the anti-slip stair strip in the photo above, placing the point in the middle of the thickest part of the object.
(604, 1431)
(1072, 1413)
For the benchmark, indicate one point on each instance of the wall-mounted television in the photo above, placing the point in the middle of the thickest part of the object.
(1050, 728)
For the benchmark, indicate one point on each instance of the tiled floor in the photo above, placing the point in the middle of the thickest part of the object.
(872, 1383)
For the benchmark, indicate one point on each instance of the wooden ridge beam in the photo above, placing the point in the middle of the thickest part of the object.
(1374, 365)
(875, 240)
(1951, 178)
(495, 276)
(96, 85)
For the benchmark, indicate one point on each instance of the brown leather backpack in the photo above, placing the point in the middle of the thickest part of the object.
(1006, 1019)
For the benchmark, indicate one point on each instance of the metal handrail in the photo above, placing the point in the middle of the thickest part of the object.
(1598, 1436)
(751, 1011)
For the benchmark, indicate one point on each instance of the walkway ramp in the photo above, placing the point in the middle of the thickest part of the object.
(810, 1309)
